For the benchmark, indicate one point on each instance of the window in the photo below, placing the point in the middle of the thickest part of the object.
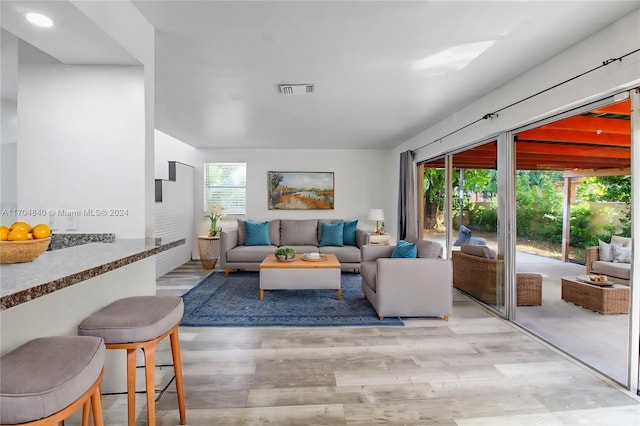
(226, 184)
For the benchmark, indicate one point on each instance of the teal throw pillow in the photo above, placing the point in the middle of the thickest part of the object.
(405, 249)
(349, 233)
(331, 234)
(257, 234)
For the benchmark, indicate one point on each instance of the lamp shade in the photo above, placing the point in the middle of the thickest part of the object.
(376, 214)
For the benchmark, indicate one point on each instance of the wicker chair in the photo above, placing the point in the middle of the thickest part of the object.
(477, 276)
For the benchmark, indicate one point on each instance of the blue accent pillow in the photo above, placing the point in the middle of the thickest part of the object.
(332, 234)
(349, 233)
(405, 249)
(257, 234)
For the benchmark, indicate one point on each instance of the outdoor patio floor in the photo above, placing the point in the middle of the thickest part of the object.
(601, 341)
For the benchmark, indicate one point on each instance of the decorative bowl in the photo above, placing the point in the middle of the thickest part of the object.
(22, 251)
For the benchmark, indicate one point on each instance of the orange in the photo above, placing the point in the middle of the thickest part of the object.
(18, 234)
(4, 233)
(23, 225)
(41, 231)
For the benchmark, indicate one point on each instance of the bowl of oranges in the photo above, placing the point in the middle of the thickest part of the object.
(21, 242)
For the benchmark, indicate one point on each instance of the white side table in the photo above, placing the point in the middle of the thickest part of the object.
(209, 250)
(379, 239)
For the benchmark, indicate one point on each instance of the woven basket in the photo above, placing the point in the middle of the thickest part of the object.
(22, 251)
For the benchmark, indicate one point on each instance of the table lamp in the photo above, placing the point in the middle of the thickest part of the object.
(377, 215)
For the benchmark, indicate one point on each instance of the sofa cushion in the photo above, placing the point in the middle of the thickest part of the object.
(612, 269)
(274, 231)
(250, 254)
(404, 249)
(349, 233)
(604, 251)
(242, 235)
(368, 272)
(480, 251)
(429, 249)
(299, 232)
(332, 234)
(345, 254)
(623, 241)
(257, 234)
(621, 254)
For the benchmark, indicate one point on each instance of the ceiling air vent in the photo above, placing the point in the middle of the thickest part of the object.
(297, 89)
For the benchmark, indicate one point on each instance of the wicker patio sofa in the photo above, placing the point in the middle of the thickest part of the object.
(475, 272)
(598, 264)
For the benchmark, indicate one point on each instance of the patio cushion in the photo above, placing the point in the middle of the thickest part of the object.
(604, 251)
(618, 270)
(480, 251)
(623, 241)
(621, 254)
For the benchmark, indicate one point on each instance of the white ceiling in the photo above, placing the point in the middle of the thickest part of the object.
(219, 64)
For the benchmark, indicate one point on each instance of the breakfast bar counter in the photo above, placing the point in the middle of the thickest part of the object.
(52, 294)
(58, 269)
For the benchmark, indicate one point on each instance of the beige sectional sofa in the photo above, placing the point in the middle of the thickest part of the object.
(302, 235)
(419, 287)
(600, 260)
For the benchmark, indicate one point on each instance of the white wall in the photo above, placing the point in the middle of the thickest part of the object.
(168, 148)
(123, 22)
(81, 146)
(359, 179)
(614, 41)
(174, 219)
(8, 126)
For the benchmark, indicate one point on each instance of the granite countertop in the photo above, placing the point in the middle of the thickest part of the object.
(57, 269)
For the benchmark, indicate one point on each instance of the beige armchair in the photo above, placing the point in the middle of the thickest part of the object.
(420, 287)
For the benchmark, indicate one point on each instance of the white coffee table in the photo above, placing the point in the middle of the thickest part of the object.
(300, 274)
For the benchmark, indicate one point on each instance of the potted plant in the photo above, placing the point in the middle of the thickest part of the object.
(285, 253)
(215, 213)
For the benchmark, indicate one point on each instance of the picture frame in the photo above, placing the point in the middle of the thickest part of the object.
(300, 190)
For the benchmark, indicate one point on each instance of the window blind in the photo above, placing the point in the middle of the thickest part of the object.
(226, 184)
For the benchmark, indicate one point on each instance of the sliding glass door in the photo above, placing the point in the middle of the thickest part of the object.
(572, 200)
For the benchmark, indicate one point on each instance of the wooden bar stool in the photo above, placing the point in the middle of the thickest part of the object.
(46, 380)
(140, 323)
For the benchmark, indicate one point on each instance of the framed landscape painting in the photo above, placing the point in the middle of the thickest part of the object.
(300, 190)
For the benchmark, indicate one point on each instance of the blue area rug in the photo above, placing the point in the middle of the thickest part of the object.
(217, 301)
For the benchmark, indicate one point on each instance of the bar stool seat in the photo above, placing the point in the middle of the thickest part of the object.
(47, 379)
(140, 323)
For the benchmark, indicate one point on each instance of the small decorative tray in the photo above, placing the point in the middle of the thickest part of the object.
(601, 282)
(313, 259)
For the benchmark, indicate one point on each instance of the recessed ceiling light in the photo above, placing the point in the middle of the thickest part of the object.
(38, 19)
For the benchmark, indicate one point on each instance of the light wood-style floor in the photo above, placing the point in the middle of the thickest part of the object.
(474, 369)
